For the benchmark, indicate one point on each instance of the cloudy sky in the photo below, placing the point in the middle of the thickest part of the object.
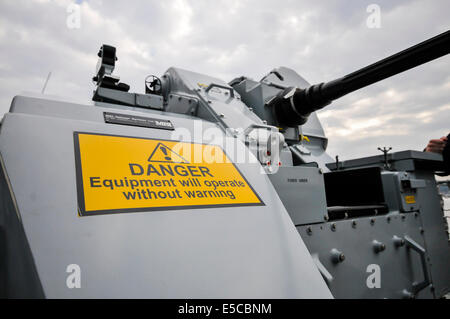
(322, 40)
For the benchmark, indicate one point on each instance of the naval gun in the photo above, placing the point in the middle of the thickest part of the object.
(114, 202)
(292, 106)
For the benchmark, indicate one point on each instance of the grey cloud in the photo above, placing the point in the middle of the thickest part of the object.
(322, 40)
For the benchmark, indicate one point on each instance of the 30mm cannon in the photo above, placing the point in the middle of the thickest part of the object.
(293, 105)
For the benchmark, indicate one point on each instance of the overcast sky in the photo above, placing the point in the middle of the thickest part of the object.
(322, 40)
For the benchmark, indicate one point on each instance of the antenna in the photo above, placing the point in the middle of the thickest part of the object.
(46, 81)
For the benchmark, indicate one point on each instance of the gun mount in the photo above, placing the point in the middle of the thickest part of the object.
(107, 185)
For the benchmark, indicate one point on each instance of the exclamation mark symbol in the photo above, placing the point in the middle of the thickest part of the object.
(164, 150)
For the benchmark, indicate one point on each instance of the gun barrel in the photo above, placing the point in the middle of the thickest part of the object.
(294, 108)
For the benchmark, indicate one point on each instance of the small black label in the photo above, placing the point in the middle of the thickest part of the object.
(125, 119)
(297, 180)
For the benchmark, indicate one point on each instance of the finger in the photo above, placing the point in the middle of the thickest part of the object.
(434, 149)
(436, 142)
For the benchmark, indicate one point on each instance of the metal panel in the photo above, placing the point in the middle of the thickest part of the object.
(245, 252)
(302, 191)
(400, 267)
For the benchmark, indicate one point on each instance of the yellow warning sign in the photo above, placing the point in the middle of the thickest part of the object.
(118, 174)
(410, 199)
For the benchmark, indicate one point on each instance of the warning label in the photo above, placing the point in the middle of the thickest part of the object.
(117, 174)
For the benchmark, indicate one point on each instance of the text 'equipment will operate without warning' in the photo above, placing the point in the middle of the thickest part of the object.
(126, 174)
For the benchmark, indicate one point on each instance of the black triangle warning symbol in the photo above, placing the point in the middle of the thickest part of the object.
(163, 153)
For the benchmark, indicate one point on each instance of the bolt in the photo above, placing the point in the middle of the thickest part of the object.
(388, 219)
(378, 246)
(372, 221)
(337, 256)
(222, 115)
(309, 230)
(326, 217)
(398, 242)
(422, 230)
(354, 224)
(333, 226)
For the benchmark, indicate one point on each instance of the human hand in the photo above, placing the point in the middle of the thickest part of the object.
(437, 145)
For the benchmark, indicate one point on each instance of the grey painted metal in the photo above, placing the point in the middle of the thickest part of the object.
(403, 160)
(302, 191)
(399, 268)
(246, 252)
(250, 252)
(257, 94)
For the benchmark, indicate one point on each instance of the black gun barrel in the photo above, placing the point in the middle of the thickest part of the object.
(293, 106)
